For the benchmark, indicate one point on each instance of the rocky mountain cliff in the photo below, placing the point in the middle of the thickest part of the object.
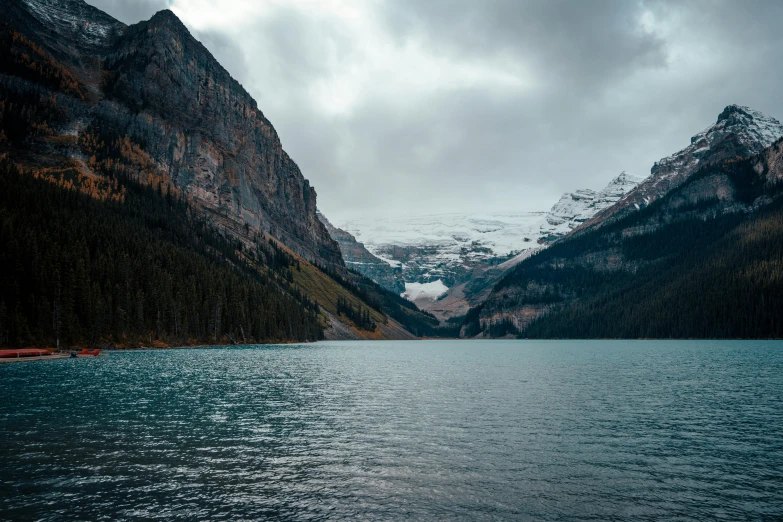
(183, 119)
(700, 258)
(142, 117)
(358, 258)
(739, 132)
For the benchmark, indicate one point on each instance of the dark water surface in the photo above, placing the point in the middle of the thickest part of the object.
(399, 430)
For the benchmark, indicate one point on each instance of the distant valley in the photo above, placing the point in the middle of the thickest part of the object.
(529, 274)
(445, 263)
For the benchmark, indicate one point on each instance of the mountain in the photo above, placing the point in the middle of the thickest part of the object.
(448, 262)
(739, 132)
(183, 119)
(702, 258)
(144, 122)
(446, 246)
(388, 274)
(575, 208)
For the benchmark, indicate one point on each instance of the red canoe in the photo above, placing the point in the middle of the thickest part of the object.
(23, 352)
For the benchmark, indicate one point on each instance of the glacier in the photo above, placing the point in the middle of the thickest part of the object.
(446, 248)
(430, 291)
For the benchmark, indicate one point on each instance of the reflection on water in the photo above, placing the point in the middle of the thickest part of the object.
(395, 430)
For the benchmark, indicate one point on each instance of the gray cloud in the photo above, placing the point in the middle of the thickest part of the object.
(500, 105)
(133, 11)
(589, 42)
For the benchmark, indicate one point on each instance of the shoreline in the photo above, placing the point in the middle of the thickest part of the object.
(54, 356)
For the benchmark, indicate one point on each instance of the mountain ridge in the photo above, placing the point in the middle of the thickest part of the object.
(630, 276)
(738, 132)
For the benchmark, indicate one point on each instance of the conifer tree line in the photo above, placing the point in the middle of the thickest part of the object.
(418, 322)
(91, 272)
(359, 315)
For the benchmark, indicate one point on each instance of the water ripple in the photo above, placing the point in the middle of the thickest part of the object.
(416, 430)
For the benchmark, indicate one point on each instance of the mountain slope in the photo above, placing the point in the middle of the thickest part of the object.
(702, 260)
(739, 132)
(90, 105)
(157, 87)
(144, 270)
(727, 284)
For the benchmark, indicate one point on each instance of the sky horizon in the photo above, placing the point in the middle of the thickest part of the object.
(406, 108)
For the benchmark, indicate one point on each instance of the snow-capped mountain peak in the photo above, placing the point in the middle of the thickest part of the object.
(752, 131)
(574, 208)
(738, 132)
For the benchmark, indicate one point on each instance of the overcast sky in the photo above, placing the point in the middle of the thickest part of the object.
(415, 107)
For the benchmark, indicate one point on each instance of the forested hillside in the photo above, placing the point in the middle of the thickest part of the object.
(722, 282)
(705, 261)
(198, 226)
(136, 272)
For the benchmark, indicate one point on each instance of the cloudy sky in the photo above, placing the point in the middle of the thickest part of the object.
(413, 107)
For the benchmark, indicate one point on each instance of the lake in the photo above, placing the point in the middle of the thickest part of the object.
(471, 430)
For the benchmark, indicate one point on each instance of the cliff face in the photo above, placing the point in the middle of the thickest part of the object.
(198, 129)
(358, 258)
(206, 132)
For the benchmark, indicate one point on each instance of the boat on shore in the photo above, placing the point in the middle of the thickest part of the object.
(39, 354)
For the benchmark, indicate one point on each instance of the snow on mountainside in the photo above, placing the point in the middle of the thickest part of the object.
(575, 208)
(417, 291)
(739, 132)
(446, 248)
(454, 236)
(75, 17)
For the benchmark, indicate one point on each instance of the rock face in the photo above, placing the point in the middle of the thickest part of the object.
(739, 132)
(155, 84)
(358, 258)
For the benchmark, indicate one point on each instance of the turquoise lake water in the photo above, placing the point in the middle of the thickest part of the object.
(490, 430)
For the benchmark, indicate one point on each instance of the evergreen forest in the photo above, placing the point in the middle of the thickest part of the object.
(80, 270)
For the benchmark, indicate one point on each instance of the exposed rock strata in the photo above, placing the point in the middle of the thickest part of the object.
(156, 84)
